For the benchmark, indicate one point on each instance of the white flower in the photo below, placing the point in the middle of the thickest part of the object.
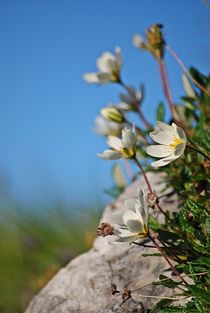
(138, 41)
(109, 66)
(130, 100)
(106, 128)
(120, 148)
(172, 142)
(132, 224)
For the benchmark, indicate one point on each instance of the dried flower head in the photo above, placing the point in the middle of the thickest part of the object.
(126, 294)
(105, 229)
(151, 199)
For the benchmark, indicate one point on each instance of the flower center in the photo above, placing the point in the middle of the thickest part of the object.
(176, 141)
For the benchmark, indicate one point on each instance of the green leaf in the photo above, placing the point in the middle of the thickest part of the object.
(159, 305)
(160, 113)
(174, 309)
(188, 87)
(167, 282)
(202, 294)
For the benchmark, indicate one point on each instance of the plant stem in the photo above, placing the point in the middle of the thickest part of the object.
(143, 173)
(137, 105)
(199, 151)
(148, 185)
(168, 278)
(185, 70)
(170, 251)
(143, 245)
(166, 88)
(165, 256)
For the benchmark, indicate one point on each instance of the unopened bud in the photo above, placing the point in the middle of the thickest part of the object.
(105, 229)
(113, 114)
(151, 199)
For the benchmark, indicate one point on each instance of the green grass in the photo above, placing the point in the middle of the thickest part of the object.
(34, 246)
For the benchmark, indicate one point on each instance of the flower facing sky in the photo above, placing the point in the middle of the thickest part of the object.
(109, 66)
(120, 148)
(171, 143)
(132, 224)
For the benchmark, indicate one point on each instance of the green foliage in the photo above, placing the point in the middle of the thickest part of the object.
(160, 114)
(34, 246)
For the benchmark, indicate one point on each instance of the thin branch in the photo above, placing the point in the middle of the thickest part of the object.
(137, 106)
(165, 257)
(185, 70)
(168, 278)
(199, 151)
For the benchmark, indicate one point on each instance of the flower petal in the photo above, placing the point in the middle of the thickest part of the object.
(180, 149)
(181, 134)
(114, 142)
(104, 78)
(141, 207)
(128, 138)
(118, 57)
(124, 239)
(109, 155)
(161, 137)
(167, 128)
(138, 41)
(102, 62)
(133, 222)
(164, 161)
(117, 219)
(159, 151)
(91, 77)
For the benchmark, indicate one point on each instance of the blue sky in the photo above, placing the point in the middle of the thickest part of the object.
(47, 110)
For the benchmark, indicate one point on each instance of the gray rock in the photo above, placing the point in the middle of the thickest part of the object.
(84, 285)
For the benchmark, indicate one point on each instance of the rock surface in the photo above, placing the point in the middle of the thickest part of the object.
(84, 285)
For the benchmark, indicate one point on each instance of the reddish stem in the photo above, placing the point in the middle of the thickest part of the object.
(185, 70)
(166, 88)
(144, 174)
(152, 234)
(141, 115)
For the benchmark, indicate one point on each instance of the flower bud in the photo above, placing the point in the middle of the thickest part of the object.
(113, 114)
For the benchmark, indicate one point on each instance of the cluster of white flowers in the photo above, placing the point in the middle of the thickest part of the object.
(171, 144)
(132, 224)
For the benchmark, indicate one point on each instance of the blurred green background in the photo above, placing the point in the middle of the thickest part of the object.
(35, 245)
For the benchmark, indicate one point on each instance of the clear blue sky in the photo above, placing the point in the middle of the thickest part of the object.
(47, 110)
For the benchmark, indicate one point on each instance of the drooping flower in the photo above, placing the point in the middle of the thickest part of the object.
(109, 66)
(171, 141)
(132, 225)
(120, 148)
(107, 128)
(132, 99)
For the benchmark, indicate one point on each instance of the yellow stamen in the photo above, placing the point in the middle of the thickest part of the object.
(176, 142)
